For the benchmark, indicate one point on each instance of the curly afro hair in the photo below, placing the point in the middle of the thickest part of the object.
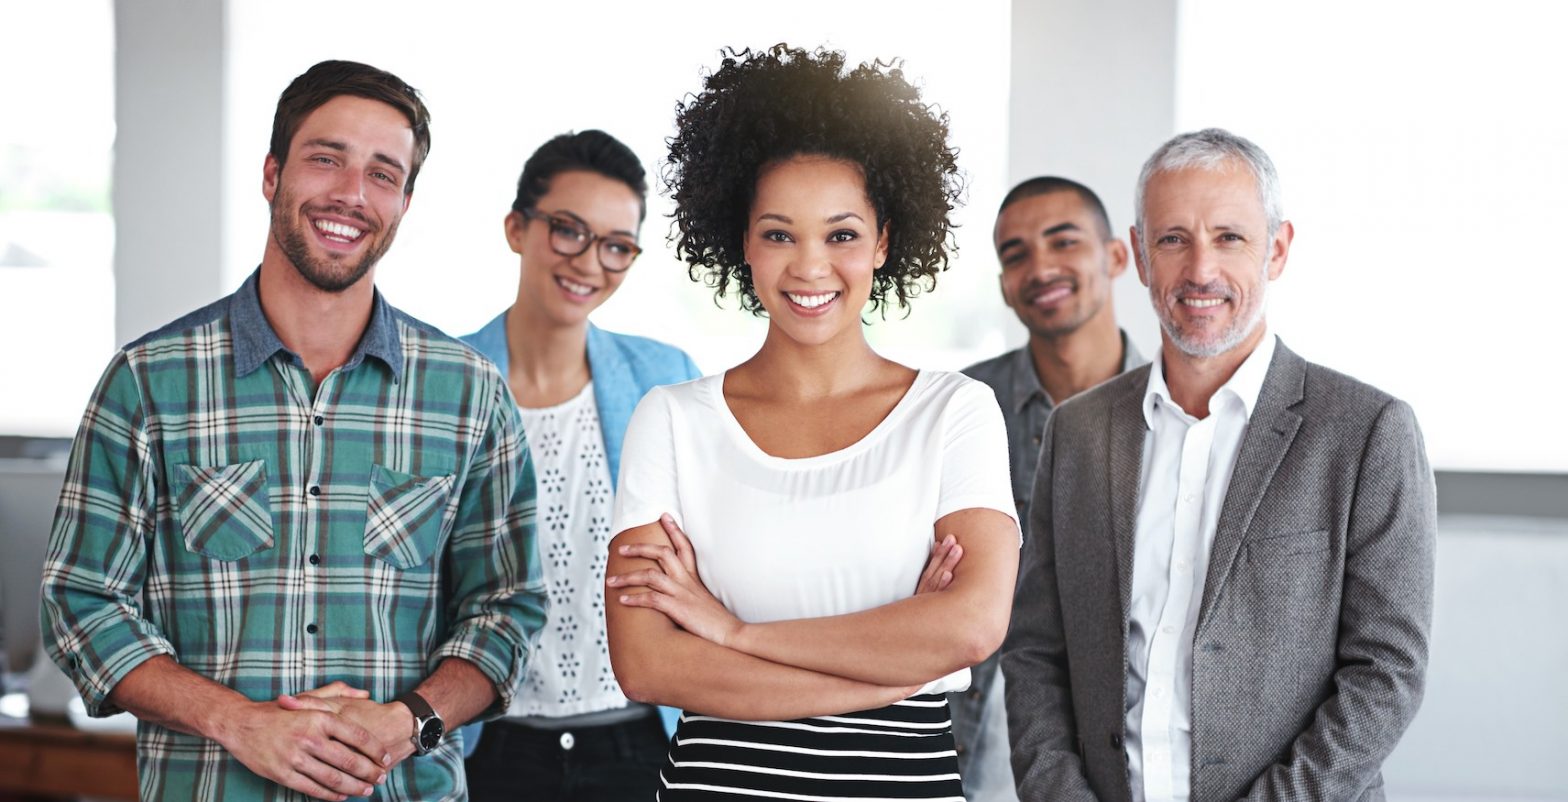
(762, 107)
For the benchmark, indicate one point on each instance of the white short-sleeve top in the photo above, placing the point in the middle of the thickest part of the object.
(780, 539)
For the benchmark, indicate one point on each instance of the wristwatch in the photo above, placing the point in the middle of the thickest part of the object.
(429, 729)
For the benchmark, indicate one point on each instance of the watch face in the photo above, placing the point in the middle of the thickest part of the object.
(430, 734)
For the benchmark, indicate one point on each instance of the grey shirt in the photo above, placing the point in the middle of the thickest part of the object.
(979, 720)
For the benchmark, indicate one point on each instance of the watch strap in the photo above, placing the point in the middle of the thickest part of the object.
(417, 704)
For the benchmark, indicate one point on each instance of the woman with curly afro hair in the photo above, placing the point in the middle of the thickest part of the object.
(815, 545)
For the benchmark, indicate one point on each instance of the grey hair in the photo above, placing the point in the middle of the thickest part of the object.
(1210, 149)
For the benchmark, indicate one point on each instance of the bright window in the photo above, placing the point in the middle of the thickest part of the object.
(56, 229)
(1421, 151)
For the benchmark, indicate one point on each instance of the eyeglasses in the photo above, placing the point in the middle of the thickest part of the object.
(569, 237)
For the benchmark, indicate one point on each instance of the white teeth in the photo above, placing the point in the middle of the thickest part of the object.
(573, 287)
(1203, 303)
(338, 230)
(811, 301)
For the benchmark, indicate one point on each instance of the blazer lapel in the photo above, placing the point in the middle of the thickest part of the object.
(1269, 435)
(1126, 436)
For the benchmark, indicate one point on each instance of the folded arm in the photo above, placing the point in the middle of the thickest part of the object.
(908, 642)
(659, 663)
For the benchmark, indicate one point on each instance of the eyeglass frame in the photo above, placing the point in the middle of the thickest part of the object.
(554, 220)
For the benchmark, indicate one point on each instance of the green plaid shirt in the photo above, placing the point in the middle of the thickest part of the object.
(276, 537)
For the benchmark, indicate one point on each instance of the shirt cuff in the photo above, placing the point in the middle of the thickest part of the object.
(96, 682)
(496, 646)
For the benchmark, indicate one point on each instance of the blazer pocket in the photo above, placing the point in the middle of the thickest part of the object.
(1275, 546)
(404, 516)
(225, 512)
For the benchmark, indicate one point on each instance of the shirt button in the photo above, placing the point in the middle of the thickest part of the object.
(311, 628)
(1167, 630)
(319, 420)
(568, 740)
(1190, 498)
(315, 559)
(1158, 692)
(315, 490)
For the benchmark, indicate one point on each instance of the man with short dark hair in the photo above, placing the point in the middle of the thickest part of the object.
(1227, 589)
(1059, 260)
(296, 533)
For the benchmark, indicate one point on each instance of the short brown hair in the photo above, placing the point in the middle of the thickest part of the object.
(328, 80)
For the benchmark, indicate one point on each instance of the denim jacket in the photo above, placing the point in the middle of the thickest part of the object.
(624, 368)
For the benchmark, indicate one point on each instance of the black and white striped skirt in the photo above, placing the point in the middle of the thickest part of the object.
(902, 751)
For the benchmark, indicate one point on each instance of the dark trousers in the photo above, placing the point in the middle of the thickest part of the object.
(612, 763)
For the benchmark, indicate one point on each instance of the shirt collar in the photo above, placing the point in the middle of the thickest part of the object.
(1245, 385)
(255, 341)
(1026, 382)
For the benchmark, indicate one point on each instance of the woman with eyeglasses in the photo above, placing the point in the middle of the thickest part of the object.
(570, 734)
(774, 520)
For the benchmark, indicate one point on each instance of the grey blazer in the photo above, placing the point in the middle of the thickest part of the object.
(1311, 643)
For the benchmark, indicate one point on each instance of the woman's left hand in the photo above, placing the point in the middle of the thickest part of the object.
(675, 589)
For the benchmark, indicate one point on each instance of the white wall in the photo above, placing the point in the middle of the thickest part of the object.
(168, 166)
(1492, 724)
(1093, 94)
(1422, 164)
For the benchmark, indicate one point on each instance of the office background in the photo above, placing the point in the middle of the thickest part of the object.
(1419, 144)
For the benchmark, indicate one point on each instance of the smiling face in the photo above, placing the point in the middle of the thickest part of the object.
(564, 289)
(338, 198)
(1206, 256)
(813, 244)
(1057, 262)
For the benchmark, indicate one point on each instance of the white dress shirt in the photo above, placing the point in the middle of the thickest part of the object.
(1186, 469)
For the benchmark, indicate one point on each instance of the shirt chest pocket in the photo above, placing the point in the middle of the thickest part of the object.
(225, 512)
(405, 516)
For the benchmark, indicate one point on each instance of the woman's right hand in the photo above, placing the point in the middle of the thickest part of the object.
(945, 554)
(674, 587)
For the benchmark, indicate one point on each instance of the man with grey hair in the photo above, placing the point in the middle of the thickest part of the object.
(1227, 588)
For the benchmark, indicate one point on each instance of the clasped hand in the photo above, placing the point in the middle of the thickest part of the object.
(331, 743)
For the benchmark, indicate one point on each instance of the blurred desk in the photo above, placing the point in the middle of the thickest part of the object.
(42, 761)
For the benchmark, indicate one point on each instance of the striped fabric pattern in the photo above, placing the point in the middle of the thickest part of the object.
(275, 536)
(900, 752)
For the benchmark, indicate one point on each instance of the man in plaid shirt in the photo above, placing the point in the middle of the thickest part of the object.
(297, 530)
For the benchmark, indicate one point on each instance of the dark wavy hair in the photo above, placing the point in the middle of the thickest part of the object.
(592, 151)
(760, 107)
